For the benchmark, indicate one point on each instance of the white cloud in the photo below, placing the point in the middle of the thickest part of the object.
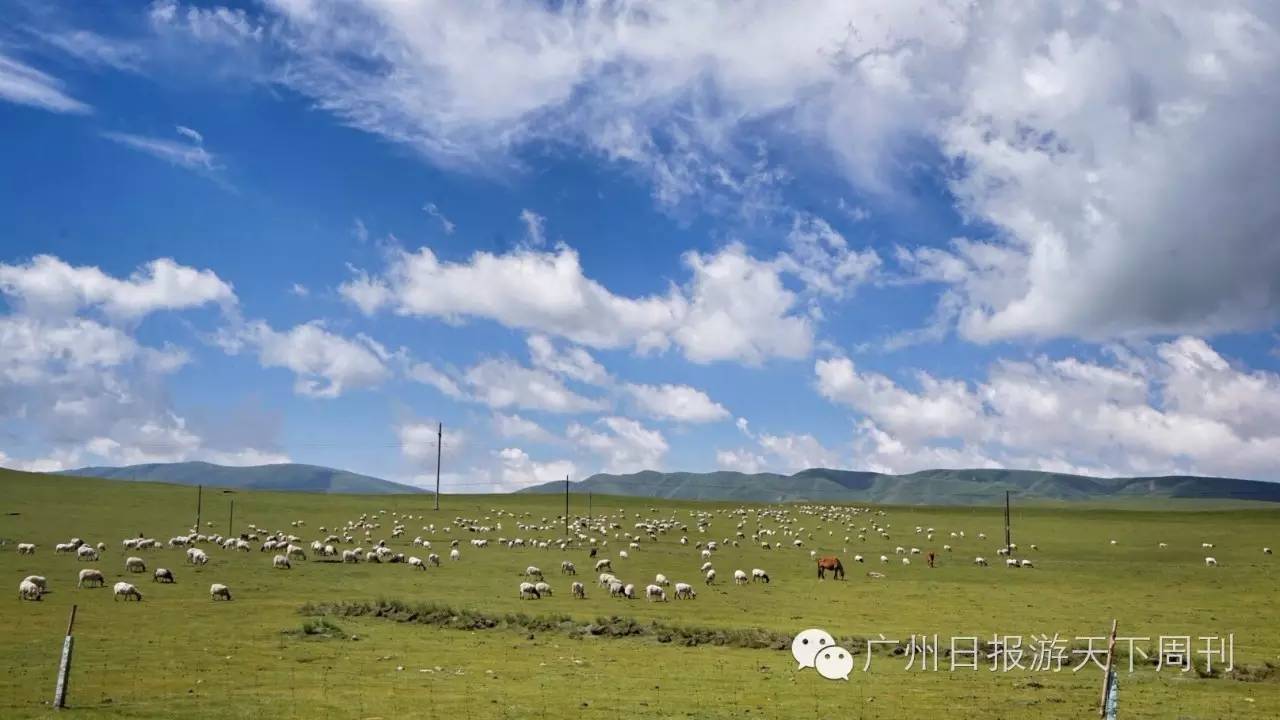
(675, 402)
(515, 426)
(446, 224)
(427, 374)
(506, 384)
(517, 470)
(573, 362)
(25, 85)
(325, 364)
(48, 285)
(534, 227)
(1064, 129)
(96, 50)
(626, 446)
(799, 452)
(419, 440)
(1179, 409)
(742, 460)
(299, 290)
(190, 155)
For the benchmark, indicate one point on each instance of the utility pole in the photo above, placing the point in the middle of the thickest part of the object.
(588, 507)
(566, 507)
(199, 498)
(64, 667)
(231, 519)
(1008, 540)
(439, 446)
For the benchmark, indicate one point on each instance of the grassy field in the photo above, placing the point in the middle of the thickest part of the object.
(179, 655)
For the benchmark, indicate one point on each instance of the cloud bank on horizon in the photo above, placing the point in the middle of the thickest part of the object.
(623, 236)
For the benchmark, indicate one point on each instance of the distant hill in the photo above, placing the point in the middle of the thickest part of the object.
(287, 476)
(927, 487)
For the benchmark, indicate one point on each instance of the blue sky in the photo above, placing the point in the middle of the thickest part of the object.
(607, 237)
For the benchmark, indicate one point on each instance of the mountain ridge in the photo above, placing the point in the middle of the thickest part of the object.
(288, 477)
(924, 487)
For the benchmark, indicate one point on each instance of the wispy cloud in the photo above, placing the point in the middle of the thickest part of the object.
(191, 155)
(445, 223)
(97, 50)
(25, 85)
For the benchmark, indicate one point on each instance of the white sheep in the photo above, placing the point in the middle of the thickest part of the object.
(26, 548)
(1027, 564)
(1211, 562)
(529, 590)
(350, 556)
(89, 575)
(135, 565)
(980, 561)
(616, 588)
(1011, 562)
(281, 562)
(684, 591)
(417, 562)
(533, 571)
(196, 556)
(654, 592)
(884, 558)
(295, 552)
(629, 591)
(454, 554)
(125, 590)
(579, 590)
(1206, 545)
(711, 576)
(543, 588)
(706, 554)
(568, 568)
(218, 591)
(661, 580)
(1164, 545)
(28, 590)
(740, 577)
(906, 561)
(622, 554)
(603, 564)
(433, 560)
(758, 574)
(163, 575)
(705, 567)
(858, 558)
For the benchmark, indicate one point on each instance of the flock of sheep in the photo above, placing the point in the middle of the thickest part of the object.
(774, 528)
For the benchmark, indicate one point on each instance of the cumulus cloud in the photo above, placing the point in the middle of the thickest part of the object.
(675, 402)
(325, 364)
(517, 470)
(572, 362)
(520, 428)
(506, 384)
(48, 285)
(1181, 408)
(623, 445)
(1063, 131)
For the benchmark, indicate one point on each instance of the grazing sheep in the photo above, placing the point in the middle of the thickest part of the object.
(739, 577)
(622, 554)
(1164, 545)
(652, 592)
(454, 554)
(711, 576)
(661, 580)
(857, 558)
(1010, 562)
(88, 576)
(1206, 545)
(196, 556)
(64, 548)
(416, 562)
(758, 574)
(529, 590)
(433, 560)
(372, 557)
(568, 568)
(350, 556)
(218, 591)
(1211, 562)
(906, 561)
(947, 548)
(28, 590)
(1027, 563)
(26, 548)
(532, 571)
(684, 591)
(604, 564)
(543, 588)
(126, 591)
(629, 591)
(281, 562)
(616, 588)
(135, 565)
(606, 579)
(295, 552)
(86, 552)
(162, 575)
(1035, 546)
(980, 561)
(884, 558)
(579, 590)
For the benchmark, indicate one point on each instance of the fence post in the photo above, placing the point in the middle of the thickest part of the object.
(64, 667)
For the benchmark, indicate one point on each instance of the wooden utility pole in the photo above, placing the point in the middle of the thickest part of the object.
(566, 507)
(439, 446)
(64, 667)
(1106, 676)
(1008, 537)
(199, 498)
(231, 519)
(588, 507)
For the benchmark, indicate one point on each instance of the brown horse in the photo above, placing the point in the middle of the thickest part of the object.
(831, 562)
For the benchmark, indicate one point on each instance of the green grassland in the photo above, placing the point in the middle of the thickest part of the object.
(177, 654)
